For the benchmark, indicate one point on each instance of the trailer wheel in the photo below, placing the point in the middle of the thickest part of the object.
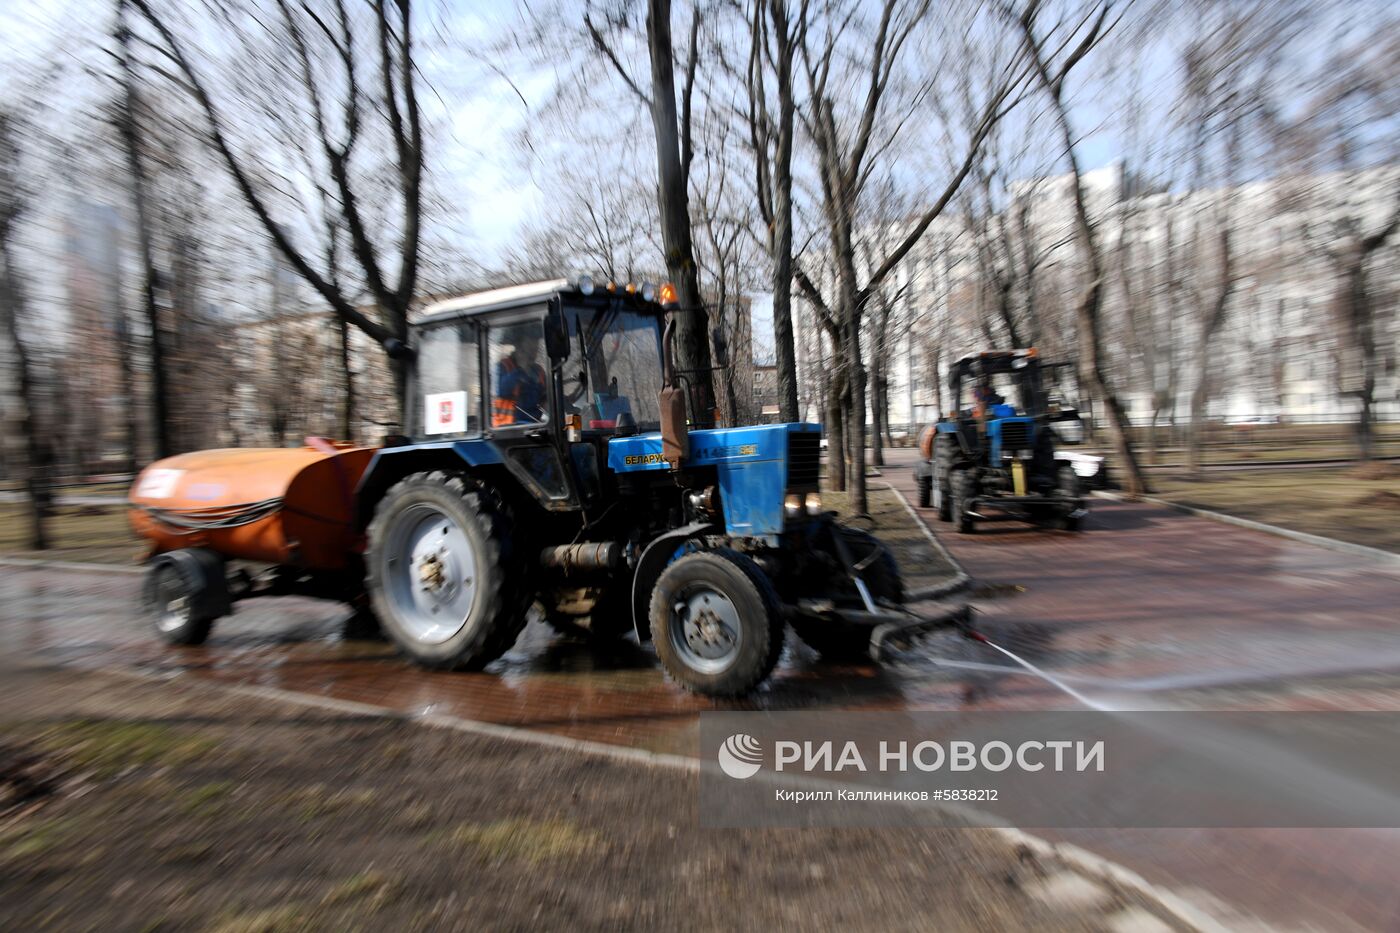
(184, 592)
(444, 579)
(842, 641)
(964, 488)
(715, 622)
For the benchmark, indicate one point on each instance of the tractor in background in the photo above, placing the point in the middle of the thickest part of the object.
(997, 448)
(550, 462)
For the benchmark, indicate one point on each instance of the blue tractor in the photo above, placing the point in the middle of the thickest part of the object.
(552, 463)
(996, 448)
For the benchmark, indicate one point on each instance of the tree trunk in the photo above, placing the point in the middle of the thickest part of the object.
(877, 405)
(347, 397)
(131, 143)
(782, 220)
(126, 376)
(1200, 393)
(1210, 324)
(672, 171)
(38, 467)
(836, 431)
(855, 434)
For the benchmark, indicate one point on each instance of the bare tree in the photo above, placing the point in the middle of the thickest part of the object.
(321, 59)
(1346, 124)
(127, 124)
(674, 154)
(773, 37)
(847, 145)
(1224, 93)
(1050, 74)
(13, 320)
(1353, 308)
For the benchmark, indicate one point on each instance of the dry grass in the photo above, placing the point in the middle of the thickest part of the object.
(1358, 504)
(97, 533)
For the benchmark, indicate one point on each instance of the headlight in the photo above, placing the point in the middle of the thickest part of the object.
(648, 291)
(813, 503)
(585, 284)
(792, 505)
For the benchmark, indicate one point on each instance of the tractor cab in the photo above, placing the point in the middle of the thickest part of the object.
(997, 446)
(536, 378)
(548, 353)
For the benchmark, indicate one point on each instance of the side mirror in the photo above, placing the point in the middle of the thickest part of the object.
(556, 333)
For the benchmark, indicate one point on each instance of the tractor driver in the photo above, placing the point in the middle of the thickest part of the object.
(987, 404)
(521, 383)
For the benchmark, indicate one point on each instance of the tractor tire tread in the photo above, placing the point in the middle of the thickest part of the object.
(507, 593)
(740, 678)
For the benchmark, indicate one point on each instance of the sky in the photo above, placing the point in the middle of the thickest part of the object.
(481, 110)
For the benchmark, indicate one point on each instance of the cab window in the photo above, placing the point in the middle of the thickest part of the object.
(448, 380)
(519, 374)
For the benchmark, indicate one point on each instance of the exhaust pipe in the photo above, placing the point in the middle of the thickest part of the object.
(588, 555)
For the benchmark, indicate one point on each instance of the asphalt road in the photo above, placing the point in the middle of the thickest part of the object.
(1146, 609)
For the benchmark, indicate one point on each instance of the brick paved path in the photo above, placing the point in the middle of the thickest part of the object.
(1148, 608)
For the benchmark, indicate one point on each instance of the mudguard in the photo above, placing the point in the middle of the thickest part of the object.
(654, 559)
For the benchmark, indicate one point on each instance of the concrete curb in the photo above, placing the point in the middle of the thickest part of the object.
(959, 582)
(1082, 860)
(68, 565)
(1345, 547)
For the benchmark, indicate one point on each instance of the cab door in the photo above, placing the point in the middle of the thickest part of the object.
(523, 406)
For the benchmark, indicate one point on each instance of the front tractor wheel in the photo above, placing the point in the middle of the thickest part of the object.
(925, 492)
(443, 576)
(715, 623)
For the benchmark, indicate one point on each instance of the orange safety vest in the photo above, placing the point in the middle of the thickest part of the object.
(503, 408)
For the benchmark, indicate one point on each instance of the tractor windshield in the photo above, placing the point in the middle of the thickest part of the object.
(615, 367)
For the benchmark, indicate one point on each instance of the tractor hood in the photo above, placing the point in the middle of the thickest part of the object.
(757, 466)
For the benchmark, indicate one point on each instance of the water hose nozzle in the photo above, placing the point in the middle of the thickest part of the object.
(963, 623)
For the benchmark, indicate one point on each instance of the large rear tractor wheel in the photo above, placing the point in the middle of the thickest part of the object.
(716, 623)
(445, 581)
(184, 592)
(842, 641)
(964, 491)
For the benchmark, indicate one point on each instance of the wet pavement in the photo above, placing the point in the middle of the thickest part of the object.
(1151, 609)
(1147, 609)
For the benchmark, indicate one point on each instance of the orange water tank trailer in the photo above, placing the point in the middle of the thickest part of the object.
(288, 506)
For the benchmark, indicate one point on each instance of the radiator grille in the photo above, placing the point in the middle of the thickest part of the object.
(1015, 435)
(803, 456)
